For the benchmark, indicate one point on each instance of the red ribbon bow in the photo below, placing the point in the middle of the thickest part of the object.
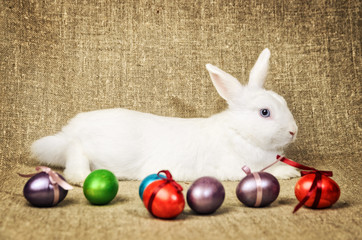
(316, 185)
(170, 180)
(54, 178)
(166, 180)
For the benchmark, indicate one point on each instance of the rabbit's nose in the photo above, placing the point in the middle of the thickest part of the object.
(293, 130)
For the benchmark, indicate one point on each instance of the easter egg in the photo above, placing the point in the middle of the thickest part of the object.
(205, 195)
(40, 192)
(100, 187)
(145, 182)
(329, 195)
(163, 199)
(258, 189)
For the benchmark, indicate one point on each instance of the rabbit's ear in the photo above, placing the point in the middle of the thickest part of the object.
(260, 70)
(226, 85)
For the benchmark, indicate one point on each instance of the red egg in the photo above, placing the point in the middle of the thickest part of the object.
(168, 201)
(330, 191)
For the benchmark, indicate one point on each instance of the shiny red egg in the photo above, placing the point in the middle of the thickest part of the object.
(166, 200)
(330, 191)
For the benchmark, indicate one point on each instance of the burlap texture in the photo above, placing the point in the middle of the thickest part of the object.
(58, 58)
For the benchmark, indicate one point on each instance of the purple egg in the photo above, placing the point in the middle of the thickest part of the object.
(258, 189)
(205, 195)
(39, 191)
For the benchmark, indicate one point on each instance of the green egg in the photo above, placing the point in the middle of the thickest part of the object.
(100, 187)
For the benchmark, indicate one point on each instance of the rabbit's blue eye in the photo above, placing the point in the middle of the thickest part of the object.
(265, 112)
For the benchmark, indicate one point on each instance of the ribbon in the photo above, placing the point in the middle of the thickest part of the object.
(316, 185)
(166, 180)
(259, 189)
(54, 178)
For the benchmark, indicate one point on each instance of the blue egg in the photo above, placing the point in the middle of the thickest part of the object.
(147, 181)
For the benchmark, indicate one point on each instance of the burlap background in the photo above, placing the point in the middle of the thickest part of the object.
(58, 58)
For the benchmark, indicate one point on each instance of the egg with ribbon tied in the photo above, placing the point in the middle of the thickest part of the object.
(147, 181)
(205, 195)
(327, 194)
(46, 188)
(315, 189)
(257, 189)
(163, 198)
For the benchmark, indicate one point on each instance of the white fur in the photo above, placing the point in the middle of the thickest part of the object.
(133, 144)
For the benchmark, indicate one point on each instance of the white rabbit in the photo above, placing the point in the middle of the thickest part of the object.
(255, 128)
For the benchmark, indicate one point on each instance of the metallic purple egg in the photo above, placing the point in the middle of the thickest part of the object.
(39, 191)
(258, 189)
(205, 195)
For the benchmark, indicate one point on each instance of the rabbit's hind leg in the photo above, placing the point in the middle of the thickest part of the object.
(77, 166)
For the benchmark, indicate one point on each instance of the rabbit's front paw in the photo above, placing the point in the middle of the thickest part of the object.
(284, 172)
